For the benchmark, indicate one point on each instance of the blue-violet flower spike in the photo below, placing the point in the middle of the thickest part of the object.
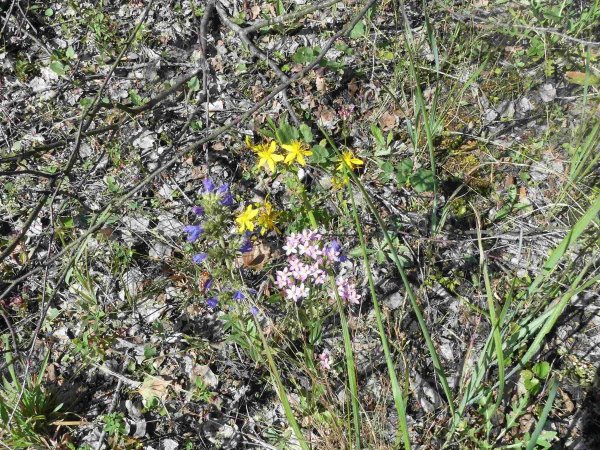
(223, 189)
(209, 186)
(193, 232)
(227, 200)
(198, 258)
(212, 302)
(246, 247)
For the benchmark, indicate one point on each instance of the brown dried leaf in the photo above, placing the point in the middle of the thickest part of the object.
(154, 387)
(388, 121)
(256, 258)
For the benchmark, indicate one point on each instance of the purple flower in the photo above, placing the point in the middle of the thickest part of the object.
(333, 251)
(223, 189)
(237, 295)
(209, 186)
(207, 285)
(254, 310)
(198, 258)
(227, 200)
(198, 210)
(246, 246)
(193, 232)
(212, 302)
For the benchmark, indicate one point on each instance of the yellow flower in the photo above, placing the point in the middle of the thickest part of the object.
(297, 150)
(349, 160)
(245, 220)
(267, 217)
(339, 182)
(268, 157)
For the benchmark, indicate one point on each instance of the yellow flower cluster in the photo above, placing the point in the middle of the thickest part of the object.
(268, 157)
(262, 215)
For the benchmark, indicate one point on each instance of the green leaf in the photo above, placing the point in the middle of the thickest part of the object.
(306, 133)
(49, 12)
(358, 30)
(193, 84)
(422, 180)
(378, 135)
(387, 169)
(404, 171)
(304, 55)
(66, 222)
(541, 370)
(58, 68)
(136, 99)
(70, 53)
(286, 133)
(320, 153)
(332, 65)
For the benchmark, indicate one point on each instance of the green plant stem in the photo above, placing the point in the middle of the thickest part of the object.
(492, 308)
(350, 366)
(399, 401)
(289, 414)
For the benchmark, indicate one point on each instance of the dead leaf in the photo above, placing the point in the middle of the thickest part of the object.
(326, 116)
(388, 121)
(522, 194)
(256, 258)
(353, 86)
(154, 387)
(255, 12)
(582, 78)
(321, 84)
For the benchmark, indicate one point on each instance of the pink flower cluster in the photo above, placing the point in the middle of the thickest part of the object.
(307, 261)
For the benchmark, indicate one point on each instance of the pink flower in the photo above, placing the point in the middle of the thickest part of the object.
(325, 360)
(297, 293)
(347, 291)
(312, 251)
(301, 271)
(291, 244)
(318, 275)
(283, 278)
(294, 263)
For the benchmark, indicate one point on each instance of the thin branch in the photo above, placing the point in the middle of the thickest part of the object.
(290, 16)
(259, 54)
(36, 173)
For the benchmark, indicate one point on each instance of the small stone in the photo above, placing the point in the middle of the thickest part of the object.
(524, 105)
(547, 93)
(168, 444)
(394, 301)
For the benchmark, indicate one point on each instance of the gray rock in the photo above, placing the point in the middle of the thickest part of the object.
(524, 105)
(547, 92)
(394, 301)
(168, 444)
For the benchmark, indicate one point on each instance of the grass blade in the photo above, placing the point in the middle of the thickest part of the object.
(396, 389)
(544, 416)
